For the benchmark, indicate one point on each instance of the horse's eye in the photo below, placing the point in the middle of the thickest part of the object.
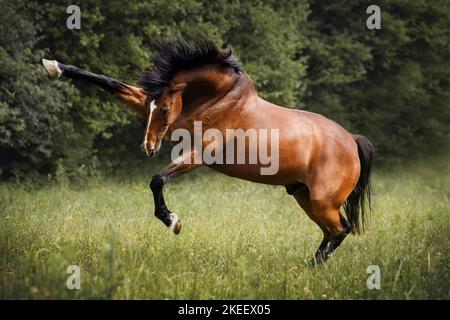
(164, 111)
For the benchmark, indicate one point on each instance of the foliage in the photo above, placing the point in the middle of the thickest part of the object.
(390, 84)
(34, 114)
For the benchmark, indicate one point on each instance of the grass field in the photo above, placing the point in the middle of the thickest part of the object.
(239, 240)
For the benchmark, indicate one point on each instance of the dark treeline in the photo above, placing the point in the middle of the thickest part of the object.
(391, 85)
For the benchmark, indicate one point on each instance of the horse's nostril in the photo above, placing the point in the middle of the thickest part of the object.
(151, 152)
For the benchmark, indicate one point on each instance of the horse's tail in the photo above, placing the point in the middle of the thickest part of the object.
(354, 206)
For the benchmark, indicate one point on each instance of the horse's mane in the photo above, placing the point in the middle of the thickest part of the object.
(183, 53)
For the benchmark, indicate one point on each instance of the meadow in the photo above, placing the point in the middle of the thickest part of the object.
(239, 240)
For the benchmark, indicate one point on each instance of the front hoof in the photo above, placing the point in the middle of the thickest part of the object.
(175, 224)
(52, 68)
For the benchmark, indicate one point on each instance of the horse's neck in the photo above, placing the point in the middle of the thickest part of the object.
(213, 92)
(205, 86)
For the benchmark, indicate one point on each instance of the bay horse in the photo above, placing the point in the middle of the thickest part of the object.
(323, 166)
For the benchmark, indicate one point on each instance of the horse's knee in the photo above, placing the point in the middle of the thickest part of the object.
(156, 183)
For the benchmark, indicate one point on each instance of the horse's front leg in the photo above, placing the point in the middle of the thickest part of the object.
(180, 166)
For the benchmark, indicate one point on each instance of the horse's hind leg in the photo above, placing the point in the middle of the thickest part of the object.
(333, 224)
(302, 198)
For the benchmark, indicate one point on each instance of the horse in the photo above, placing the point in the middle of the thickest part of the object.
(322, 165)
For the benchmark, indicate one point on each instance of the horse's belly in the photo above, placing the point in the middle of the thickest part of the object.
(253, 173)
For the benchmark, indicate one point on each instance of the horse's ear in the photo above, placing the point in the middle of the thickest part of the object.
(225, 53)
(177, 87)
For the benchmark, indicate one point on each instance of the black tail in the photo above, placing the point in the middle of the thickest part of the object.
(355, 205)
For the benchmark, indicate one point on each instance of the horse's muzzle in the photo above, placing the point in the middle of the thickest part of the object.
(149, 152)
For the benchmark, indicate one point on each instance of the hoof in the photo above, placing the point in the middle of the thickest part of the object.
(175, 226)
(318, 260)
(313, 263)
(52, 67)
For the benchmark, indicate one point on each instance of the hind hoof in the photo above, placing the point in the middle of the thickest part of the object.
(318, 260)
(175, 226)
(313, 263)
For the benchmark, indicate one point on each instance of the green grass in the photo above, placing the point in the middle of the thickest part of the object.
(239, 240)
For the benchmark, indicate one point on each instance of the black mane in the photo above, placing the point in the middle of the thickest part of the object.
(182, 54)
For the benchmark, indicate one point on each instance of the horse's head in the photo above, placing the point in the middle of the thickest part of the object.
(208, 72)
(162, 112)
